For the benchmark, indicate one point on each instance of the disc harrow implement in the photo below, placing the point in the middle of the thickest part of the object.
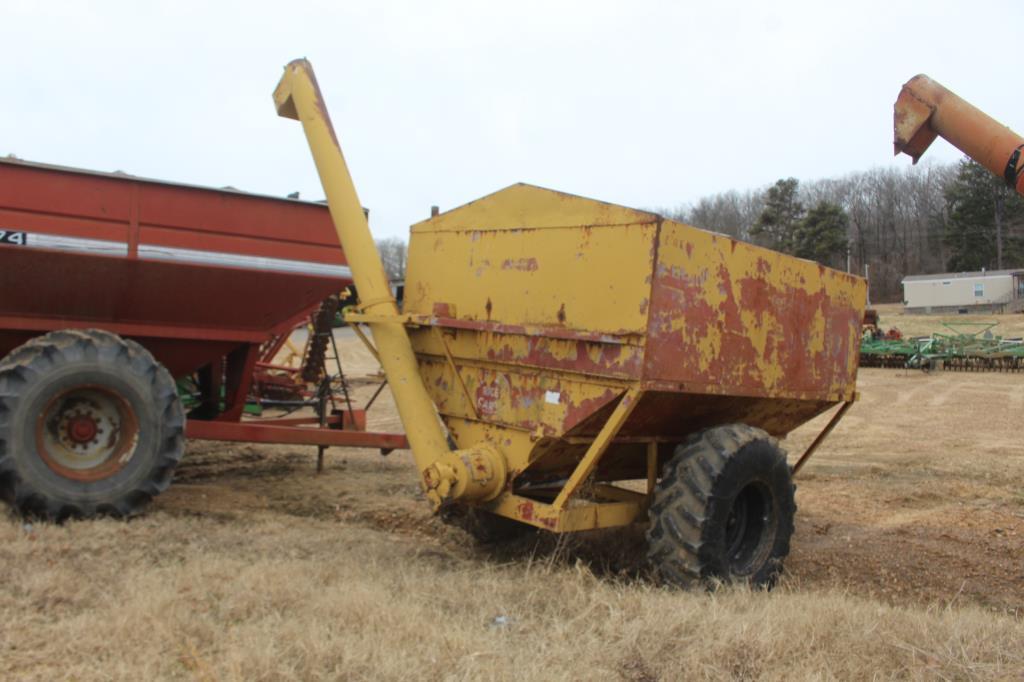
(967, 347)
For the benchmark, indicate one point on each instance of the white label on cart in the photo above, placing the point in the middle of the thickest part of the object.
(12, 237)
(552, 397)
(41, 240)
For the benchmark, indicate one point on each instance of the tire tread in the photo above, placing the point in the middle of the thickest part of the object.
(682, 498)
(40, 354)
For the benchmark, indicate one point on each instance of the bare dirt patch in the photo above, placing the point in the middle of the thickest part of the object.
(917, 495)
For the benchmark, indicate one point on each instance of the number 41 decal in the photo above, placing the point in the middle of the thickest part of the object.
(11, 237)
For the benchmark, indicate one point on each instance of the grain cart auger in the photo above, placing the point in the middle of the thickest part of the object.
(475, 473)
(925, 110)
(557, 382)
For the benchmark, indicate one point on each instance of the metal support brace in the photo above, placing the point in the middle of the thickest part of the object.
(322, 394)
(366, 342)
(598, 447)
(821, 436)
(652, 465)
(455, 370)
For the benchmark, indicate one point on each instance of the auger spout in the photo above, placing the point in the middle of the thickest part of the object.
(925, 110)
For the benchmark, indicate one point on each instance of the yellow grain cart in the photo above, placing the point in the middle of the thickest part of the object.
(595, 366)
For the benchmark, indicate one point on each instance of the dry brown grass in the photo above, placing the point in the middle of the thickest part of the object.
(908, 562)
(893, 315)
(285, 598)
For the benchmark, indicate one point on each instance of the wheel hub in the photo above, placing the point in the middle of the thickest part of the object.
(82, 429)
(87, 433)
(749, 532)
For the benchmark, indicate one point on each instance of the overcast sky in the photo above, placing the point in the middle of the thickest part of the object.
(647, 104)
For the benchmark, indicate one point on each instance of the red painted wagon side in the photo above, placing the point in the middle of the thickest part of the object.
(197, 277)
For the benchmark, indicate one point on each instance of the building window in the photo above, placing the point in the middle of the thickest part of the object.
(979, 290)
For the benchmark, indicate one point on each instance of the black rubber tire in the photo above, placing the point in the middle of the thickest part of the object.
(484, 527)
(723, 510)
(39, 370)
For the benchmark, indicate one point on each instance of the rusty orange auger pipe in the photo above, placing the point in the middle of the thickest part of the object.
(925, 110)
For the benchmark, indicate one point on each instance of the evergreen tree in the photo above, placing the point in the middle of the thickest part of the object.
(777, 225)
(984, 221)
(822, 234)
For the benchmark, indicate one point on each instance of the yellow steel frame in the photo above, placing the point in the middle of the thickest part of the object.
(597, 448)
(581, 516)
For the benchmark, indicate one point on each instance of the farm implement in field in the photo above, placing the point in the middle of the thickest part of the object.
(892, 353)
(138, 313)
(594, 365)
(967, 346)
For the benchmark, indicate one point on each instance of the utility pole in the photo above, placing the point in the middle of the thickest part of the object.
(866, 270)
(1000, 203)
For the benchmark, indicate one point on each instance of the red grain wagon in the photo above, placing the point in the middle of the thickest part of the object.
(111, 288)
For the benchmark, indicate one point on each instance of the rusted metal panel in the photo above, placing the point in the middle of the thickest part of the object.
(531, 400)
(731, 318)
(542, 299)
(549, 348)
(548, 307)
(710, 315)
(673, 416)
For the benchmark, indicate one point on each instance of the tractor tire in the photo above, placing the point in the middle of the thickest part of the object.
(90, 424)
(723, 510)
(484, 527)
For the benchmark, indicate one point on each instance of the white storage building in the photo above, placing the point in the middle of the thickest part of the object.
(985, 291)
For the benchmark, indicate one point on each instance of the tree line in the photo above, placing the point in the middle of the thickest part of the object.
(896, 221)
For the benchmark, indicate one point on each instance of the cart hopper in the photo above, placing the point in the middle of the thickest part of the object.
(539, 313)
(570, 344)
(193, 273)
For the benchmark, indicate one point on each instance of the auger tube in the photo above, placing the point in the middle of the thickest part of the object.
(925, 110)
(476, 473)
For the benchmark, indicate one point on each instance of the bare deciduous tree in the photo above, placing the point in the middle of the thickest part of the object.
(897, 219)
(731, 213)
(393, 253)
